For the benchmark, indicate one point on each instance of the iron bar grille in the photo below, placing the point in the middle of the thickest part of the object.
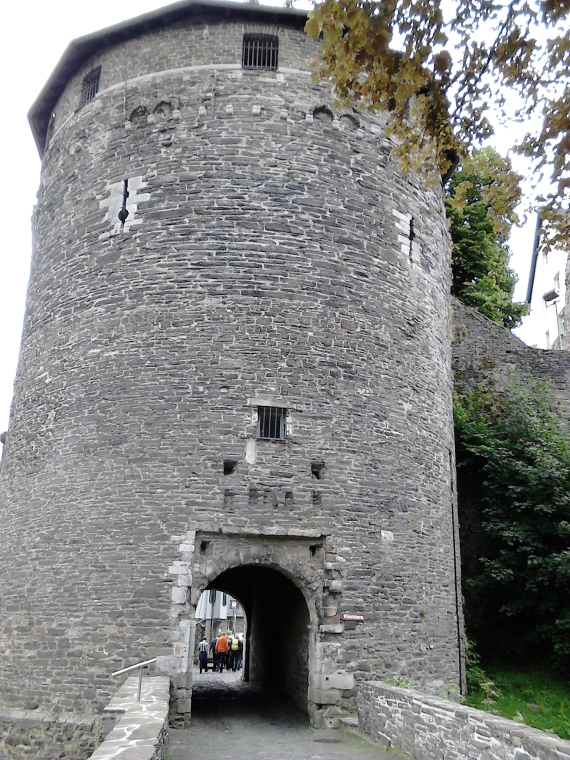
(90, 85)
(271, 421)
(260, 51)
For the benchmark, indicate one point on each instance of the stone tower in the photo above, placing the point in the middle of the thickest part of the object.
(234, 374)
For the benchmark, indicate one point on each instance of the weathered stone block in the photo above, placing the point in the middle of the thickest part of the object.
(325, 696)
(331, 628)
(179, 595)
(338, 680)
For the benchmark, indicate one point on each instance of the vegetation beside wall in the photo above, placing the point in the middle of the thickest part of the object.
(480, 204)
(514, 501)
(536, 697)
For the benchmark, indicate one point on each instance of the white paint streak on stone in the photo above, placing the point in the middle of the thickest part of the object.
(250, 451)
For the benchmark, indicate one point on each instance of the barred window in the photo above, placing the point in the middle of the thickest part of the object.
(260, 51)
(271, 422)
(90, 85)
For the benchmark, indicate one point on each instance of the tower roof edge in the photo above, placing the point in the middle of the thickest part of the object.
(81, 49)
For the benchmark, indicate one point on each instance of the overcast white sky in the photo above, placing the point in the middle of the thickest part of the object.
(35, 35)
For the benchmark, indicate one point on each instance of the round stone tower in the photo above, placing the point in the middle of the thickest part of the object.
(234, 375)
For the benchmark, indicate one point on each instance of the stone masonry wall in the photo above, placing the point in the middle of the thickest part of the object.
(35, 735)
(290, 583)
(140, 729)
(432, 728)
(268, 258)
(484, 352)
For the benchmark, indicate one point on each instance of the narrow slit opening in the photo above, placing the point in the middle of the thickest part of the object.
(124, 212)
(412, 236)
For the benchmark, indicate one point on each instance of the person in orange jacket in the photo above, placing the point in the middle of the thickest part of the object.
(222, 647)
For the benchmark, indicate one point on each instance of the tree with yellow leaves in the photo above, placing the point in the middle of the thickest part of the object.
(440, 69)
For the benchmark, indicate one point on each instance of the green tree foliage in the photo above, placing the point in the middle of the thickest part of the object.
(439, 67)
(480, 203)
(520, 590)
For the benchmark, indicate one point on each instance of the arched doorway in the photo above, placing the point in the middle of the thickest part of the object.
(277, 649)
(290, 585)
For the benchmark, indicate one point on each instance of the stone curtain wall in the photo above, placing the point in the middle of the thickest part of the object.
(262, 262)
(128, 726)
(431, 728)
(39, 736)
(484, 352)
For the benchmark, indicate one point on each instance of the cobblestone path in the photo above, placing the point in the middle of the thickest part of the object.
(230, 719)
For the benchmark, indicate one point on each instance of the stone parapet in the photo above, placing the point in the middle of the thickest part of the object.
(141, 731)
(431, 728)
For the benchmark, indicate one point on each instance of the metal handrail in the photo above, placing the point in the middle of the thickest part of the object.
(140, 666)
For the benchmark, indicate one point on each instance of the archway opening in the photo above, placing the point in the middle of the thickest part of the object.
(277, 640)
(217, 611)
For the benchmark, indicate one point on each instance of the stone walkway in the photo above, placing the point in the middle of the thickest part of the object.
(230, 719)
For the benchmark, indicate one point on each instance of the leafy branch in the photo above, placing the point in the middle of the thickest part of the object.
(427, 64)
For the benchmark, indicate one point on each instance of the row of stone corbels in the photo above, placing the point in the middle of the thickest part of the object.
(203, 113)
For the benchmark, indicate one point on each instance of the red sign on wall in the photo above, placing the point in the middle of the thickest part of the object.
(356, 617)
